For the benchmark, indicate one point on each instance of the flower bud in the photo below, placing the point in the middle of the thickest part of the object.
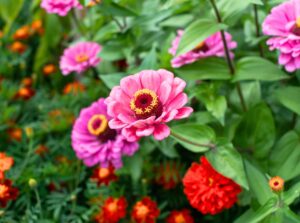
(32, 183)
(276, 184)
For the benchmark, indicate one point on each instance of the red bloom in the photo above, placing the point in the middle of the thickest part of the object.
(168, 174)
(104, 175)
(145, 211)
(207, 190)
(7, 192)
(183, 216)
(113, 210)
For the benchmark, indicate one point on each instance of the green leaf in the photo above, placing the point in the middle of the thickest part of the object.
(150, 61)
(111, 80)
(167, 147)
(257, 68)
(114, 9)
(284, 160)
(256, 132)
(195, 133)
(227, 161)
(292, 194)
(197, 32)
(135, 165)
(289, 97)
(9, 11)
(255, 217)
(177, 21)
(290, 216)
(205, 69)
(258, 183)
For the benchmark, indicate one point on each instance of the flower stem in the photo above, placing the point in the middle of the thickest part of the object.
(227, 53)
(39, 203)
(209, 145)
(261, 50)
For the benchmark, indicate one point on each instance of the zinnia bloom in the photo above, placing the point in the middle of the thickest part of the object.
(60, 7)
(207, 190)
(104, 175)
(114, 209)
(7, 192)
(183, 216)
(144, 102)
(212, 46)
(168, 174)
(6, 163)
(283, 24)
(94, 142)
(276, 184)
(145, 211)
(80, 57)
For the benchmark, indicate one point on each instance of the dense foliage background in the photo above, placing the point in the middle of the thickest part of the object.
(248, 110)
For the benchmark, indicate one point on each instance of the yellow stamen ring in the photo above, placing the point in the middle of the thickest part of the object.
(137, 109)
(102, 127)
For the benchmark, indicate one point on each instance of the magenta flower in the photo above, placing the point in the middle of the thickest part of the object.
(80, 57)
(95, 143)
(60, 7)
(144, 102)
(284, 25)
(212, 46)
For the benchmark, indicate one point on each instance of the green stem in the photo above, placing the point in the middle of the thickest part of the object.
(261, 50)
(228, 58)
(209, 145)
(39, 203)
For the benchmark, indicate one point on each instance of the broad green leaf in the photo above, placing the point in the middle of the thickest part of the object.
(150, 61)
(217, 108)
(284, 160)
(257, 2)
(114, 9)
(256, 131)
(197, 32)
(227, 161)
(194, 133)
(106, 32)
(255, 217)
(292, 194)
(135, 166)
(9, 11)
(167, 147)
(258, 183)
(289, 97)
(205, 69)
(290, 216)
(257, 68)
(177, 21)
(111, 80)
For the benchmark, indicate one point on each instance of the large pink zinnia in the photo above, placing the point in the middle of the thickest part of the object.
(284, 25)
(60, 7)
(144, 102)
(212, 46)
(80, 57)
(94, 142)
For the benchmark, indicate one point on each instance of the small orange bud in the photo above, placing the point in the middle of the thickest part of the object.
(93, 3)
(41, 150)
(18, 47)
(1, 34)
(276, 184)
(49, 69)
(37, 26)
(27, 82)
(22, 34)
(74, 88)
(15, 134)
(25, 93)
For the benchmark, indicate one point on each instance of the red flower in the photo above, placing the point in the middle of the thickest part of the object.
(7, 192)
(104, 175)
(145, 211)
(207, 190)
(183, 216)
(112, 211)
(168, 174)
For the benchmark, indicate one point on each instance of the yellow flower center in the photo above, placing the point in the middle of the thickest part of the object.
(113, 206)
(179, 219)
(103, 173)
(145, 103)
(298, 22)
(142, 211)
(3, 191)
(80, 58)
(211, 181)
(97, 124)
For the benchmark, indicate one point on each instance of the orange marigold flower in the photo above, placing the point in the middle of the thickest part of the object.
(49, 69)
(37, 27)
(276, 184)
(168, 174)
(183, 216)
(103, 175)
(145, 211)
(18, 47)
(27, 82)
(207, 190)
(6, 163)
(93, 3)
(15, 134)
(74, 88)
(114, 209)
(22, 33)
(25, 93)
(41, 150)
(7, 192)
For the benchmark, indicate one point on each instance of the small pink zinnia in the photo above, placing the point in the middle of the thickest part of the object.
(80, 57)
(60, 7)
(144, 102)
(284, 25)
(95, 143)
(212, 46)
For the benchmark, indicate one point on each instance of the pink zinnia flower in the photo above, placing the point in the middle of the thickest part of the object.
(80, 57)
(60, 7)
(284, 25)
(95, 143)
(144, 102)
(212, 46)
